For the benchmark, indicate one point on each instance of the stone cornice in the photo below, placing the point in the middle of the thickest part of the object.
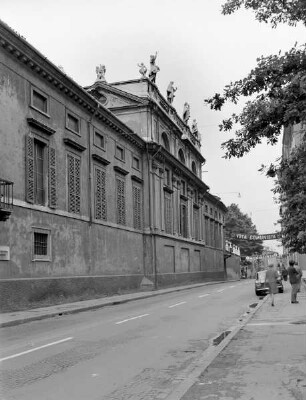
(75, 145)
(39, 125)
(25, 53)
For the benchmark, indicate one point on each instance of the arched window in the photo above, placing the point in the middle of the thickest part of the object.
(194, 167)
(165, 141)
(181, 156)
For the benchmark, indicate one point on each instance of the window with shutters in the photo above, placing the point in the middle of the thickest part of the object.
(40, 172)
(120, 197)
(196, 224)
(184, 220)
(168, 212)
(74, 183)
(100, 194)
(137, 207)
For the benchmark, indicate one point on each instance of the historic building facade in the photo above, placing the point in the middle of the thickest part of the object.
(100, 186)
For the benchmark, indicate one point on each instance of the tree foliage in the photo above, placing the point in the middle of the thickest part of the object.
(237, 222)
(277, 84)
(291, 189)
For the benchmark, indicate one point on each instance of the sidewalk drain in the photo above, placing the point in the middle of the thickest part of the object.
(253, 305)
(221, 337)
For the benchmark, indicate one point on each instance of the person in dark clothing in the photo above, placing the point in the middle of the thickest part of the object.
(294, 279)
(284, 273)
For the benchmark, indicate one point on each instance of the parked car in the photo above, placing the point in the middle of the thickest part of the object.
(262, 288)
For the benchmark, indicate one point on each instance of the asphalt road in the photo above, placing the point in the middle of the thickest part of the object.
(137, 350)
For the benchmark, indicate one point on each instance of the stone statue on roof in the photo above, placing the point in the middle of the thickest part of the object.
(186, 112)
(101, 70)
(142, 70)
(194, 128)
(153, 68)
(170, 92)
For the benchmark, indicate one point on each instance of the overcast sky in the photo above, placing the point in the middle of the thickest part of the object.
(198, 48)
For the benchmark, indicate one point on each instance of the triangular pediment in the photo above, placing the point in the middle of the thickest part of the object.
(112, 97)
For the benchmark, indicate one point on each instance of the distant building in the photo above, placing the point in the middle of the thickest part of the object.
(107, 186)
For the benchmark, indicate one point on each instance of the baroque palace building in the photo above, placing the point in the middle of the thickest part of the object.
(101, 187)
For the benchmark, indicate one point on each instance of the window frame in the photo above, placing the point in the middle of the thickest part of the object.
(99, 133)
(43, 94)
(73, 115)
(118, 146)
(45, 231)
(133, 163)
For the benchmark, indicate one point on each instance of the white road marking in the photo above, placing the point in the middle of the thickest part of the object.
(232, 286)
(177, 304)
(220, 290)
(204, 295)
(35, 349)
(130, 319)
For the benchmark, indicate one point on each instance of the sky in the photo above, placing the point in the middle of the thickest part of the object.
(198, 48)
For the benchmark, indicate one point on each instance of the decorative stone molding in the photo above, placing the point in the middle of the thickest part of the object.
(136, 179)
(42, 127)
(74, 144)
(121, 170)
(100, 159)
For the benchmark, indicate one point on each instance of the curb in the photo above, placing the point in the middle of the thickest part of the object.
(106, 304)
(211, 354)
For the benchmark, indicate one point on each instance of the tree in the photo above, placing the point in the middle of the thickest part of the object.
(291, 189)
(277, 86)
(237, 222)
(278, 83)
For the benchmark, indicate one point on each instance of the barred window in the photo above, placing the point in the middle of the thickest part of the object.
(137, 207)
(74, 184)
(168, 212)
(41, 244)
(100, 194)
(120, 194)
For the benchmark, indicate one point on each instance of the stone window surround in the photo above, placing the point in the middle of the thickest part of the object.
(46, 231)
(43, 94)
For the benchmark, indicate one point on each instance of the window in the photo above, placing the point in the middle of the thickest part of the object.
(167, 177)
(99, 140)
(100, 194)
(165, 141)
(120, 195)
(120, 153)
(73, 123)
(181, 156)
(39, 101)
(196, 224)
(40, 172)
(136, 163)
(194, 167)
(184, 221)
(168, 212)
(207, 232)
(183, 190)
(137, 207)
(74, 183)
(41, 244)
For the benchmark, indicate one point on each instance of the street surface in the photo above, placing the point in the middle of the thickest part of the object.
(138, 350)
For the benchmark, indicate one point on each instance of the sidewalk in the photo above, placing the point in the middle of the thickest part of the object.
(20, 317)
(265, 360)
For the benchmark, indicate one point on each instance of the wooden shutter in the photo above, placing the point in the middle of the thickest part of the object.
(29, 153)
(52, 178)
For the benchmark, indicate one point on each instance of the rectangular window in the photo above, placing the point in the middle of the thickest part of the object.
(196, 224)
(100, 194)
(120, 194)
(183, 190)
(136, 163)
(40, 101)
(74, 183)
(207, 232)
(137, 207)
(120, 153)
(39, 172)
(41, 244)
(168, 212)
(99, 140)
(167, 177)
(73, 123)
(184, 220)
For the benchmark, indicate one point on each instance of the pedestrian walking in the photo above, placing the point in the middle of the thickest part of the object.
(271, 278)
(284, 273)
(294, 279)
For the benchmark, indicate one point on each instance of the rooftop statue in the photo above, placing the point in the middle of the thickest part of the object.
(186, 112)
(142, 70)
(153, 68)
(101, 70)
(194, 128)
(170, 92)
